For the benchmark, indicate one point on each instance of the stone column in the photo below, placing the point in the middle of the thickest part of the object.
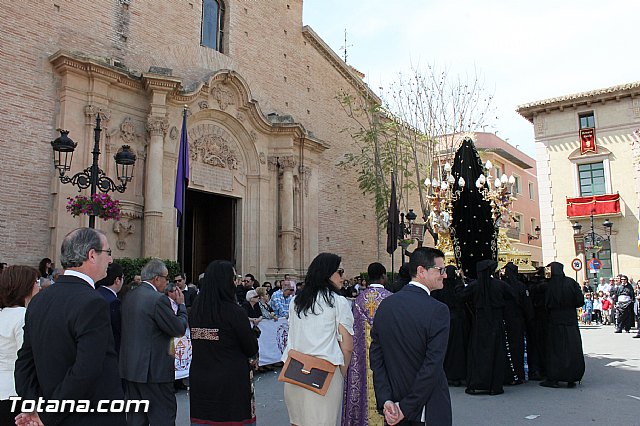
(157, 127)
(287, 232)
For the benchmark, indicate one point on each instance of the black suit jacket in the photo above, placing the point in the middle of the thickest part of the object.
(115, 312)
(408, 343)
(68, 352)
(149, 326)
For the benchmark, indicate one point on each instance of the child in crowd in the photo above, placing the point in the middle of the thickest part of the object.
(606, 309)
(597, 309)
(587, 309)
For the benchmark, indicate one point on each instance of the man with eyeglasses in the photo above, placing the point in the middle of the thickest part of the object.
(68, 351)
(408, 343)
(148, 327)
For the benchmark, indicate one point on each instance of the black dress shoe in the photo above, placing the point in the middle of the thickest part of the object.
(496, 392)
(550, 384)
(535, 376)
(571, 385)
(618, 331)
(637, 336)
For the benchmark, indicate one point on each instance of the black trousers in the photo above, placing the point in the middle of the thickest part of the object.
(162, 404)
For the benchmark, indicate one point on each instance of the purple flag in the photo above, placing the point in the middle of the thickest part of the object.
(182, 176)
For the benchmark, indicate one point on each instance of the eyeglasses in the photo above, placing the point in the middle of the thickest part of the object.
(441, 269)
(108, 251)
(340, 272)
(178, 280)
(166, 277)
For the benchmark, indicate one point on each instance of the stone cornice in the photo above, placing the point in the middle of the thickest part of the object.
(64, 61)
(160, 82)
(614, 93)
(345, 70)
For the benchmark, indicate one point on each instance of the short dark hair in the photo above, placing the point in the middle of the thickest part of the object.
(114, 271)
(423, 256)
(16, 284)
(376, 271)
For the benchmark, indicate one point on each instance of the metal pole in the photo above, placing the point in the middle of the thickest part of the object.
(94, 169)
(593, 252)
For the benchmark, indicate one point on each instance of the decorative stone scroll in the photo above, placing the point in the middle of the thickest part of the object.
(222, 95)
(128, 132)
(123, 228)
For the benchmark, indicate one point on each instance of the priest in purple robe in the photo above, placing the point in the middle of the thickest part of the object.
(359, 407)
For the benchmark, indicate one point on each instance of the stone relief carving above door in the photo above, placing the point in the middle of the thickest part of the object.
(214, 146)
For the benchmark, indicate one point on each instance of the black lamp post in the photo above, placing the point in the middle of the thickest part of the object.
(92, 177)
(405, 229)
(534, 237)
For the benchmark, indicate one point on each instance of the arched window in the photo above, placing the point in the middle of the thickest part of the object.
(212, 19)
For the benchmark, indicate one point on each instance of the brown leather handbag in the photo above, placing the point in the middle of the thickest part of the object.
(308, 372)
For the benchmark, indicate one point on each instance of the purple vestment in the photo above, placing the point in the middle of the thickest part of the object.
(357, 393)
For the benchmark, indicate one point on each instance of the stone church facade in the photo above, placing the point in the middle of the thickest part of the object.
(265, 130)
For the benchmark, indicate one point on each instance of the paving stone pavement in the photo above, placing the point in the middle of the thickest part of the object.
(608, 395)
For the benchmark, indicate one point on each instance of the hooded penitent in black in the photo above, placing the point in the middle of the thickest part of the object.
(515, 312)
(472, 229)
(487, 355)
(564, 356)
(455, 361)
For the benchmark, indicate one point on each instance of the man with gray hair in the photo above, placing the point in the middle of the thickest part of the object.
(68, 351)
(146, 361)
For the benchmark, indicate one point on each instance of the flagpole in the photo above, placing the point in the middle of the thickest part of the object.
(183, 201)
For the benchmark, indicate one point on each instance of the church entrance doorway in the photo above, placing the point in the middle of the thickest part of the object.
(210, 225)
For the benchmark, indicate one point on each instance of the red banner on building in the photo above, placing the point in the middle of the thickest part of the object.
(588, 141)
(597, 204)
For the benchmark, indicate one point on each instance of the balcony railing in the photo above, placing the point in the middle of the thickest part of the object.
(598, 205)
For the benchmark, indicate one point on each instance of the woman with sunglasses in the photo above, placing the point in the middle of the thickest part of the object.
(320, 325)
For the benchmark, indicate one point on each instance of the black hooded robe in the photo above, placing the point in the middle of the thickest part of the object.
(455, 361)
(564, 356)
(487, 354)
(516, 311)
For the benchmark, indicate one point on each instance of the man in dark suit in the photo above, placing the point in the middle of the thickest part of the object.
(108, 288)
(147, 362)
(408, 345)
(68, 351)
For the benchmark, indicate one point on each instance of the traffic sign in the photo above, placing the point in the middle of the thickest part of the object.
(594, 264)
(576, 264)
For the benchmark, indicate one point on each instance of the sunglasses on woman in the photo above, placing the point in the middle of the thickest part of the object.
(341, 272)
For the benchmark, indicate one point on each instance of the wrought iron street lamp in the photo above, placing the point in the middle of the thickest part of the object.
(92, 177)
(534, 237)
(405, 230)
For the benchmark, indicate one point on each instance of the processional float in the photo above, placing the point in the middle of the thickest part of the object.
(470, 212)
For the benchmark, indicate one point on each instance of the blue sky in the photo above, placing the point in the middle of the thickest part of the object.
(524, 51)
